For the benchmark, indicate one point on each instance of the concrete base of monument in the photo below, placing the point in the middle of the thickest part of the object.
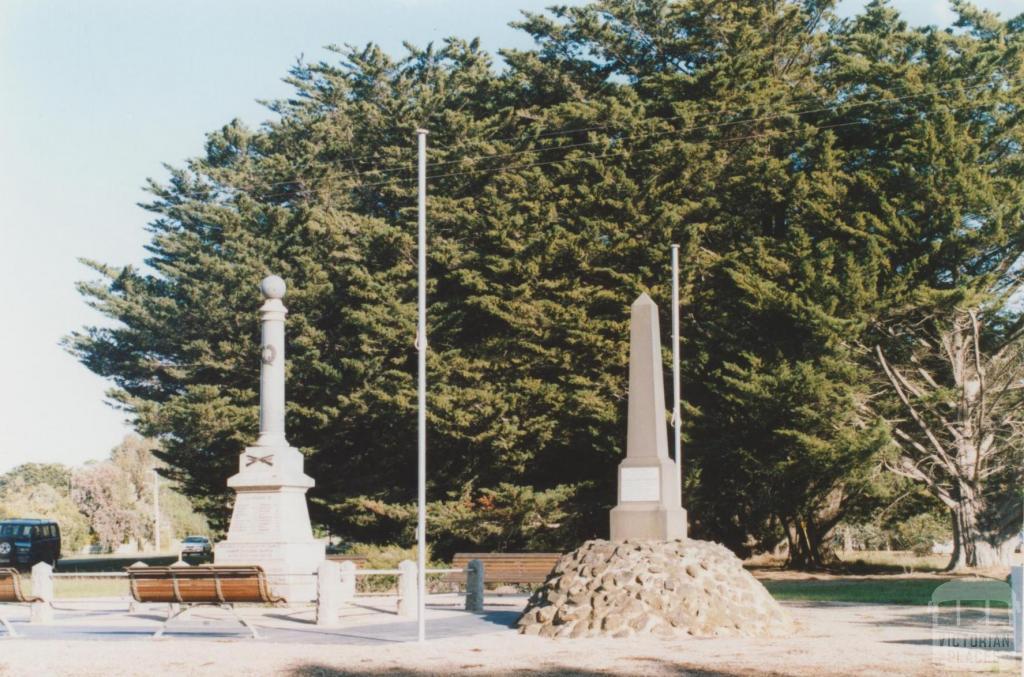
(291, 567)
(649, 507)
(647, 521)
(270, 522)
(664, 588)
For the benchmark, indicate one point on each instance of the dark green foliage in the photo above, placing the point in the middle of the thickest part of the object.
(761, 136)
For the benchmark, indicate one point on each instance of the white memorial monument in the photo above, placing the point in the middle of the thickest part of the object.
(650, 501)
(270, 523)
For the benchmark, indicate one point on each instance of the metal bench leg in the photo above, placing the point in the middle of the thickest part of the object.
(170, 617)
(7, 626)
(251, 628)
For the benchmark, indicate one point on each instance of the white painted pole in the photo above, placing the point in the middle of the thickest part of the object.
(156, 509)
(421, 518)
(677, 419)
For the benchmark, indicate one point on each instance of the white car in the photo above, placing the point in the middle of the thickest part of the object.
(196, 545)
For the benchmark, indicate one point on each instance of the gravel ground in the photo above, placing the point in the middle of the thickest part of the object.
(831, 639)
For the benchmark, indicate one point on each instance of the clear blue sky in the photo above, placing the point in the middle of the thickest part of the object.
(95, 95)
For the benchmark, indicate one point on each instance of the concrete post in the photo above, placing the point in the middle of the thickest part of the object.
(348, 581)
(475, 586)
(133, 606)
(1017, 590)
(42, 587)
(407, 586)
(272, 315)
(328, 593)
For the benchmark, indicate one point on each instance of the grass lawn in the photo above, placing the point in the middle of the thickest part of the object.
(74, 588)
(910, 591)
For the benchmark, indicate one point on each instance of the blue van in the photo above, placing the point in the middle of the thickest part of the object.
(24, 542)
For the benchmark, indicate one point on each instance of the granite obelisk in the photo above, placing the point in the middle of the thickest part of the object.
(649, 501)
(270, 523)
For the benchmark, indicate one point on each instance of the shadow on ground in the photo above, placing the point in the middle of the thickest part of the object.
(642, 665)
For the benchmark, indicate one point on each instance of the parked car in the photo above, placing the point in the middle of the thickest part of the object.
(196, 546)
(25, 542)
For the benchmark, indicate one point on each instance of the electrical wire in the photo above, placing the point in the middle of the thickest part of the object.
(714, 125)
(312, 191)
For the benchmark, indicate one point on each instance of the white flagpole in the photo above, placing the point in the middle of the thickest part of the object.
(677, 419)
(156, 509)
(421, 518)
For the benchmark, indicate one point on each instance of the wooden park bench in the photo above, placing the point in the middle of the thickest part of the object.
(529, 568)
(204, 585)
(11, 593)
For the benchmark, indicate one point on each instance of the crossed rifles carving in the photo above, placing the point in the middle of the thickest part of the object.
(252, 460)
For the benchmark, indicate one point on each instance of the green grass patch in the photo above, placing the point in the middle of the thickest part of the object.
(909, 591)
(74, 588)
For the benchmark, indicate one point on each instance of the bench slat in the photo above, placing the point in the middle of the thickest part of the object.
(207, 584)
(11, 590)
(523, 567)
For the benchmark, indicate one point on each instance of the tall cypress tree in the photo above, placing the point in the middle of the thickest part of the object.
(759, 135)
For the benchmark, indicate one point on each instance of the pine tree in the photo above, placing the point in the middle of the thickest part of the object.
(798, 159)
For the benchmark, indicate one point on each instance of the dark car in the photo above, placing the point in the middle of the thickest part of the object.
(25, 542)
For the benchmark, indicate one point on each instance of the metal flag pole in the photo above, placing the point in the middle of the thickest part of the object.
(677, 419)
(156, 510)
(421, 335)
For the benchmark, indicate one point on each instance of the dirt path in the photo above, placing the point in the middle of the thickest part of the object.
(833, 639)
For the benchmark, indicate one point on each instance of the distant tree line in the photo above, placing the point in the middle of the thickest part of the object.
(107, 503)
(849, 198)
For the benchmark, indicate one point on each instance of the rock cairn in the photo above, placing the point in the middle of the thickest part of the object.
(665, 588)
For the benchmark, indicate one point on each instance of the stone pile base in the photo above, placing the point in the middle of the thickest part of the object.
(671, 588)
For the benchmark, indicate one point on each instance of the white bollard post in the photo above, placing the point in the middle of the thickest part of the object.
(475, 586)
(42, 587)
(328, 593)
(407, 587)
(133, 606)
(348, 581)
(1017, 590)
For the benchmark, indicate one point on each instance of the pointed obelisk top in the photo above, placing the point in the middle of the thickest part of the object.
(643, 300)
(648, 507)
(647, 436)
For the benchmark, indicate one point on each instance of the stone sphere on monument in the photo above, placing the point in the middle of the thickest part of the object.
(273, 287)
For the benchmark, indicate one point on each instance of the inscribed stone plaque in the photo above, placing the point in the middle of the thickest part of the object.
(641, 484)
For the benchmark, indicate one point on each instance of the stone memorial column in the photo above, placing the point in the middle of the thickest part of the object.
(270, 523)
(649, 501)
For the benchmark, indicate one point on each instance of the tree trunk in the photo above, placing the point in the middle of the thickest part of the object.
(808, 545)
(974, 545)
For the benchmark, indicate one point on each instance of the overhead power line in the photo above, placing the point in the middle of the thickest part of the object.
(407, 167)
(311, 191)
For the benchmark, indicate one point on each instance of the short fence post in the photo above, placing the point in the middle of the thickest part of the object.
(407, 588)
(348, 581)
(42, 587)
(328, 593)
(1017, 591)
(475, 586)
(133, 606)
